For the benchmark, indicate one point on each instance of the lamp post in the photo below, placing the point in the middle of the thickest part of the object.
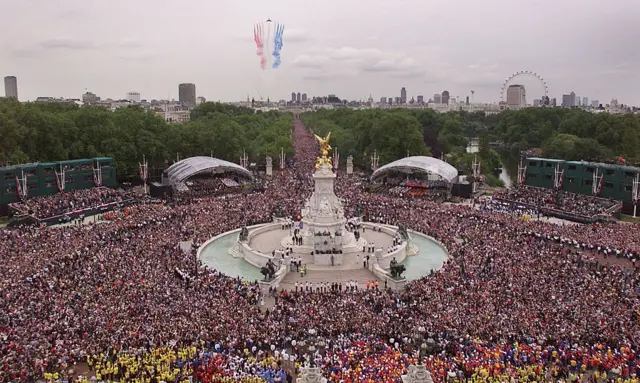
(418, 373)
(422, 346)
(312, 373)
(314, 345)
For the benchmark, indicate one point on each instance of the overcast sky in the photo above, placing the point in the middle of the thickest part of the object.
(351, 48)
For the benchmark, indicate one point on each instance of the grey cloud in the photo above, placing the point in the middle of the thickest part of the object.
(577, 45)
(357, 60)
(128, 44)
(138, 57)
(316, 77)
(296, 36)
(23, 53)
(67, 43)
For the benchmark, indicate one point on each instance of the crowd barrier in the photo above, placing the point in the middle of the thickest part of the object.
(580, 218)
(69, 216)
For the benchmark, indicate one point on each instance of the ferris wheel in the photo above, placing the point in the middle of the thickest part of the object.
(522, 75)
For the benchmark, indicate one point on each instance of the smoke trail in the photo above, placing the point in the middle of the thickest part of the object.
(258, 37)
(277, 45)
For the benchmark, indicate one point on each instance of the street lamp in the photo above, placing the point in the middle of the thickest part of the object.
(312, 343)
(419, 339)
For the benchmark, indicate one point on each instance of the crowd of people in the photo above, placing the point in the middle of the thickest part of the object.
(64, 203)
(516, 301)
(559, 200)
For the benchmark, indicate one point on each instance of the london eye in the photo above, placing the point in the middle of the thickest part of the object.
(526, 78)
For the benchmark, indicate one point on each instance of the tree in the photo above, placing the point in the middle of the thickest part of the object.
(54, 132)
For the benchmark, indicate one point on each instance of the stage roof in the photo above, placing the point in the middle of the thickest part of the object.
(188, 167)
(419, 164)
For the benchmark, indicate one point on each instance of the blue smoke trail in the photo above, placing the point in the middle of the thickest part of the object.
(277, 45)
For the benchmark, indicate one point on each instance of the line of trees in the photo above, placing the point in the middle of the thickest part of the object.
(33, 132)
(560, 133)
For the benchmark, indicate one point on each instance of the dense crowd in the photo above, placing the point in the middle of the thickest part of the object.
(68, 202)
(562, 201)
(516, 301)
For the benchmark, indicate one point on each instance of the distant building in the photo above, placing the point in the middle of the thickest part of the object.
(200, 100)
(552, 102)
(545, 101)
(304, 97)
(390, 100)
(437, 99)
(133, 97)
(403, 96)
(585, 101)
(595, 103)
(516, 97)
(90, 98)
(445, 97)
(293, 96)
(11, 87)
(420, 99)
(187, 94)
(298, 97)
(569, 100)
(383, 100)
(174, 113)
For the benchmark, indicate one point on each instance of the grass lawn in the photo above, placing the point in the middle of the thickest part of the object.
(629, 218)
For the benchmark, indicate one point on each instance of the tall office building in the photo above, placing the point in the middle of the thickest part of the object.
(298, 97)
(133, 96)
(420, 99)
(572, 99)
(202, 100)
(11, 87)
(304, 97)
(516, 96)
(445, 97)
(585, 101)
(569, 100)
(437, 99)
(403, 95)
(187, 94)
(293, 96)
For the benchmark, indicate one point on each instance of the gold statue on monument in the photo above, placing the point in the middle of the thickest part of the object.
(324, 151)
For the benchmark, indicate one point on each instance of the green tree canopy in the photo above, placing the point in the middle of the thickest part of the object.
(53, 132)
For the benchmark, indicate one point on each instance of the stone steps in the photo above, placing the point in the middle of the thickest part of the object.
(361, 276)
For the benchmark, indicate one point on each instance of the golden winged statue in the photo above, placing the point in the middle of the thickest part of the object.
(324, 150)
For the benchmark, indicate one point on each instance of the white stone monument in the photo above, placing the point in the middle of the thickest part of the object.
(311, 375)
(350, 165)
(417, 374)
(269, 166)
(323, 221)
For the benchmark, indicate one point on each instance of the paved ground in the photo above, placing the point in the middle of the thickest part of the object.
(85, 221)
(186, 246)
(341, 276)
(268, 242)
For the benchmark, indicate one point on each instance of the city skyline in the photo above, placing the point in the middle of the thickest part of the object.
(67, 47)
